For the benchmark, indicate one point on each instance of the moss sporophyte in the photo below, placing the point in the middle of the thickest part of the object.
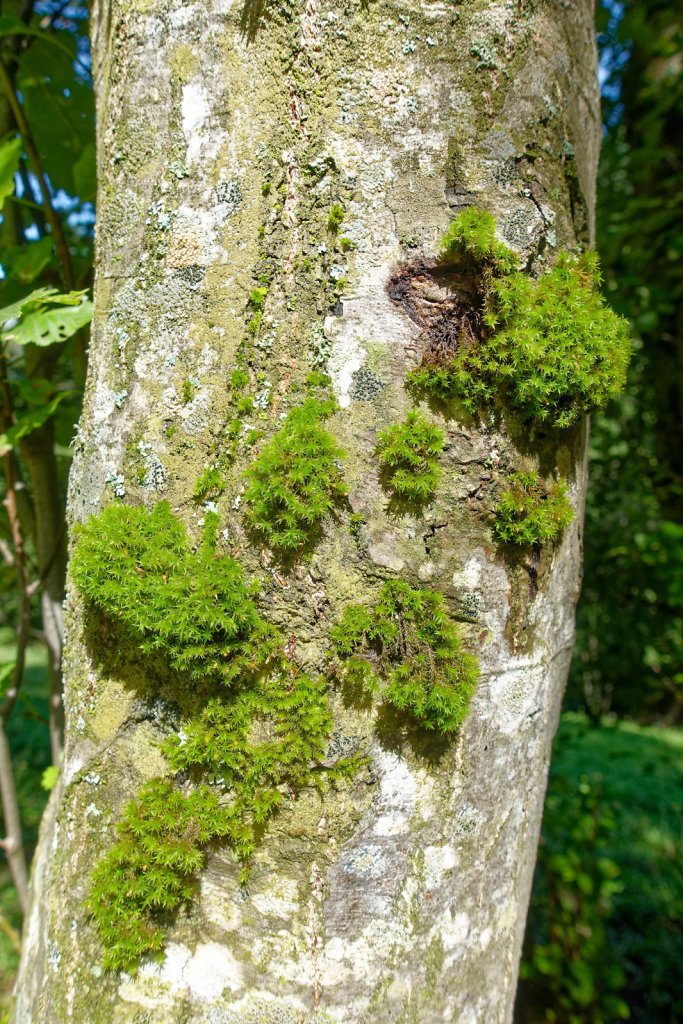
(549, 347)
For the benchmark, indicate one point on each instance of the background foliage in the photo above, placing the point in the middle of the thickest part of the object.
(598, 943)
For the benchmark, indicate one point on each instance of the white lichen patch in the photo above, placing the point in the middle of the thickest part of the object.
(204, 975)
(347, 355)
(438, 862)
(515, 692)
(280, 900)
(194, 111)
(452, 928)
(384, 551)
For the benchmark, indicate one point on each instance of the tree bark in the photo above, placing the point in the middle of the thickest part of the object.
(225, 137)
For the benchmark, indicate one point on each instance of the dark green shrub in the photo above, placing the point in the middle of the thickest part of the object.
(571, 968)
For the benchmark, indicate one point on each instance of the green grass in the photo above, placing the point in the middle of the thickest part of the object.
(638, 773)
(30, 745)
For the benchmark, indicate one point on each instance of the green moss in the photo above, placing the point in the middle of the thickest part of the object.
(188, 392)
(139, 568)
(210, 484)
(549, 348)
(150, 870)
(239, 379)
(296, 480)
(257, 299)
(408, 453)
(406, 649)
(255, 725)
(530, 511)
(335, 218)
(473, 234)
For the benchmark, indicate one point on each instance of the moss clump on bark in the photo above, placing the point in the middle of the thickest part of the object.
(293, 485)
(210, 484)
(530, 511)
(549, 348)
(406, 649)
(255, 724)
(408, 453)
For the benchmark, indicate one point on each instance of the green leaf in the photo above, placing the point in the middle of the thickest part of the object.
(49, 777)
(41, 326)
(23, 263)
(10, 152)
(60, 110)
(30, 421)
(32, 301)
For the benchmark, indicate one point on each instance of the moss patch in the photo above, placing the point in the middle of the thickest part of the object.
(254, 725)
(549, 349)
(406, 649)
(530, 511)
(409, 456)
(296, 480)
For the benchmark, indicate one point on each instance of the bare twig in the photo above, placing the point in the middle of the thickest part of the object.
(13, 843)
(11, 933)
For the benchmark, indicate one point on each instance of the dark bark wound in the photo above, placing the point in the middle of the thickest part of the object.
(445, 302)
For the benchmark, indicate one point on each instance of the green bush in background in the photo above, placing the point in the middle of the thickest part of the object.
(30, 745)
(605, 929)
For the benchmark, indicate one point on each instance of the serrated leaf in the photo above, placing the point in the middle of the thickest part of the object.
(32, 301)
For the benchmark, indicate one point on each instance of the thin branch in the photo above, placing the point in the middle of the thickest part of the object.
(38, 584)
(11, 933)
(13, 843)
(51, 214)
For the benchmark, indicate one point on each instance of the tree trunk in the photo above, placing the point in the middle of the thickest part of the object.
(227, 138)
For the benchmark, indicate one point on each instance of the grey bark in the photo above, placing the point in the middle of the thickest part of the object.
(403, 896)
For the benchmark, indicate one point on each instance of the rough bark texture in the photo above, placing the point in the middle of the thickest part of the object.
(402, 895)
